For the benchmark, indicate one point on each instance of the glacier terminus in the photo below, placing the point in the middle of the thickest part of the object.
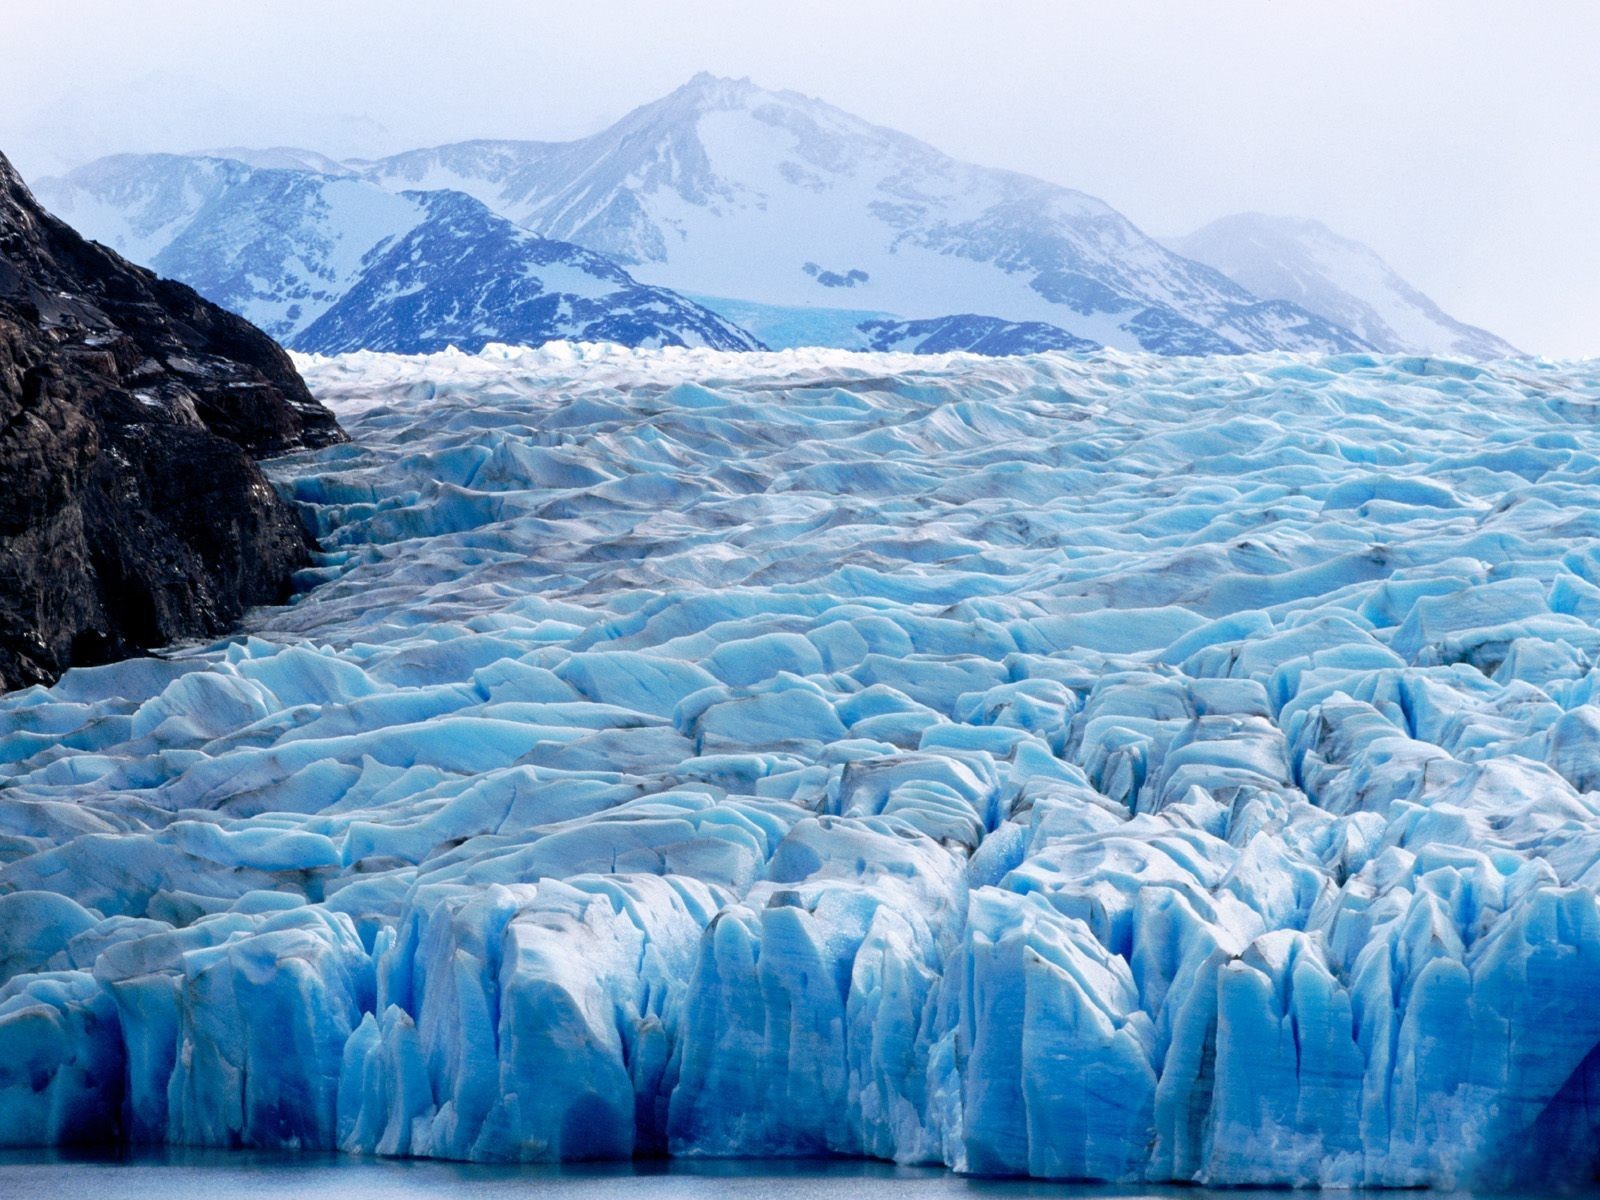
(1080, 766)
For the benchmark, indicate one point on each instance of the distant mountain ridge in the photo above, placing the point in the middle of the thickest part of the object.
(806, 222)
(1304, 262)
(725, 188)
(329, 263)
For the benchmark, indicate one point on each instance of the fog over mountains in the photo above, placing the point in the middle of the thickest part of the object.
(1305, 262)
(797, 222)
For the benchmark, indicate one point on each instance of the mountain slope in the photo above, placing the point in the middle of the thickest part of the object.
(464, 277)
(296, 250)
(968, 332)
(1305, 263)
(725, 189)
(131, 513)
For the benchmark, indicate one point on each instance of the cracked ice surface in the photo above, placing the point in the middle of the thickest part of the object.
(1112, 767)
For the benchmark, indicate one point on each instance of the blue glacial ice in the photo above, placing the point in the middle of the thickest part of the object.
(1108, 767)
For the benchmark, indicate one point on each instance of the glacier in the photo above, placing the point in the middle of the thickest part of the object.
(1074, 766)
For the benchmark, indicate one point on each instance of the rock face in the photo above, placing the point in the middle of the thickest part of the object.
(131, 513)
(969, 332)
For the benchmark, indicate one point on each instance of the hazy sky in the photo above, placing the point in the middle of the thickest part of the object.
(1461, 140)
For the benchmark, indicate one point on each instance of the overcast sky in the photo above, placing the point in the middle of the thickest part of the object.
(1461, 140)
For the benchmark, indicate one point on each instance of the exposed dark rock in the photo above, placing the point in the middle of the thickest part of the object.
(131, 512)
(972, 333)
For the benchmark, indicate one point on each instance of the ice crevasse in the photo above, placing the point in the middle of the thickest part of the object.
(1080, 767)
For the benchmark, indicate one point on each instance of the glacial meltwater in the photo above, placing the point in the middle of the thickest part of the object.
(260, 1175)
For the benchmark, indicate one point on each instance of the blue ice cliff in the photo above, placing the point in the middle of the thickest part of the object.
(1101, 767)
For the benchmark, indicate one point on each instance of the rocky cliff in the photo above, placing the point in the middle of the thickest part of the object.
(131, 410)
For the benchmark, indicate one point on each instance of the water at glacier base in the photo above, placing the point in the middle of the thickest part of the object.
(259, 1175)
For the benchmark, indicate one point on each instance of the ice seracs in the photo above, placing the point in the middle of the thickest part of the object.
(1071, 766)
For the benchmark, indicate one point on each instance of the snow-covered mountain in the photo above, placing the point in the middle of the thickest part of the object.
(289, 158)
(1304, 262)
(328, 263)
(723, 188)
(780, 205)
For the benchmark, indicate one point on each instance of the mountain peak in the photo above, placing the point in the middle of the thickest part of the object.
(773, 197)
(707, 92)
(1255, 217)
(1302, 260)
(9, 179)
(17, 202)
(717, 90)
(707, 79)
(724, 188)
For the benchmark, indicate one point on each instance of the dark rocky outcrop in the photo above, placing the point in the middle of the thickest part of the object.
(131, 510)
